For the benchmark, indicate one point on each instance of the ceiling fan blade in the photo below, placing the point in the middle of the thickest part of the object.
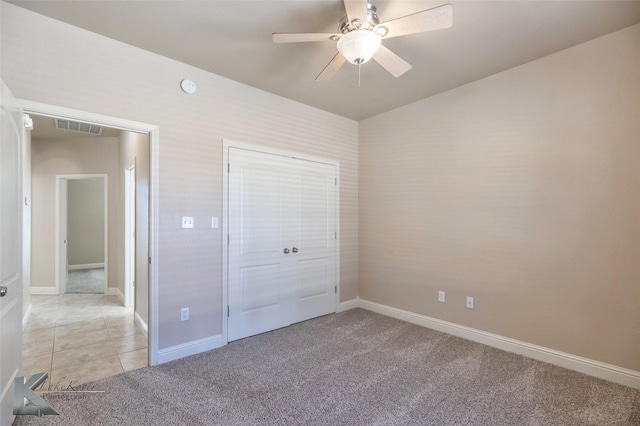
(301, 37)
(391, 62)
(428, 20)
(332, 68)
(356, 9)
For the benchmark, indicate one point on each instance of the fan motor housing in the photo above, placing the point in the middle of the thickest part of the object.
(344, 26)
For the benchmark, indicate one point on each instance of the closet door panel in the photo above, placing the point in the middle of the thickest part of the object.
(259, 297)
(315, 261)
(282, 241)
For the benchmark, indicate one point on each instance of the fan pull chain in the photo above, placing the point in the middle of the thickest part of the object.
(359, 66)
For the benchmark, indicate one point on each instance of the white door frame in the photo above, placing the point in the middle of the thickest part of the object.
(61, 254)
(129, 233)
(226, 143)
(153, 131)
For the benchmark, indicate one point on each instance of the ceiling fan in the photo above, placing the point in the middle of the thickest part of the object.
(360, 34)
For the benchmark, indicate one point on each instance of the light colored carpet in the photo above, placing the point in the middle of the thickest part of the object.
(352, 368)
(86, 281)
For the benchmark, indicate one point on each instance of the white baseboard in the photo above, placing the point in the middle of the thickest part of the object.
(191, 348)
(85, 266)
(44, 291)
(207, 344)
(572, 362)
(349, 304)
(115, 291)
(25, 317)
(143, 325)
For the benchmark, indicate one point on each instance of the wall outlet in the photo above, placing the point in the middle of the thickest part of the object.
(441, 296)
(184, 314)
(469, 302)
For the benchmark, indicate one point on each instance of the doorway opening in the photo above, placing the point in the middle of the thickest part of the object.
(144, 303)
(82, 234)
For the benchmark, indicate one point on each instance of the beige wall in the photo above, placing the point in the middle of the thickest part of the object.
(85, 221)
(114, 79)
(134, 148)
(77, 156)
(521, 190)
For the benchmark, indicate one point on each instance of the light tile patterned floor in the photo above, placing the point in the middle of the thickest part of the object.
(80, 338)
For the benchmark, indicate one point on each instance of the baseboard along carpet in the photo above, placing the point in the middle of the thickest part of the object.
(86, 281)
(352, 368)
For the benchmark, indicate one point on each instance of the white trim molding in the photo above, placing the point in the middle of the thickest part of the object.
(191, 348)
(142, 324)
(115, 291)
(85, 266)
(348, 304)
(49, 291)
(26, 316)
(587, 366)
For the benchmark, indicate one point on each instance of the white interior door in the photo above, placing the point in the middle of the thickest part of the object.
(10, 252)
(315, 240)
(258, 298)
(282, 241)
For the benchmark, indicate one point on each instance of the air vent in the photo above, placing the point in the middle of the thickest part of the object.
(76, 126)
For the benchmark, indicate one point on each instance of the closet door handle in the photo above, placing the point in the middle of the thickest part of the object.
(286, 251)
(295, 249)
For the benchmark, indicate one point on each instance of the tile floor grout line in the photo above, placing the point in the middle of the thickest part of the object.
(117, 332)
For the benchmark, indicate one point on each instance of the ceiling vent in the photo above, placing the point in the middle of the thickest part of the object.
(76, 126)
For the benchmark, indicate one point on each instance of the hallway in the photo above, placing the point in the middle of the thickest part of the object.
(80, 338)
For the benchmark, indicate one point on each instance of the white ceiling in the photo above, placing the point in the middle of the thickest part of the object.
(233, 39)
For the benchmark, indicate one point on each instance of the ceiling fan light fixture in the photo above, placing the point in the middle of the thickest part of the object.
(359, 46)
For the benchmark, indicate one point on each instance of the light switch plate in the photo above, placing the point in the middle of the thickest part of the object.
(214, 222)
(187, 221)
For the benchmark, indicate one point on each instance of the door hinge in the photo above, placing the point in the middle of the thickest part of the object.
(28, 122)
(228, 239)
(149, 260)
(227, 311)
(228, 167)
(336, 181)
(336, 289)
(335, 235)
